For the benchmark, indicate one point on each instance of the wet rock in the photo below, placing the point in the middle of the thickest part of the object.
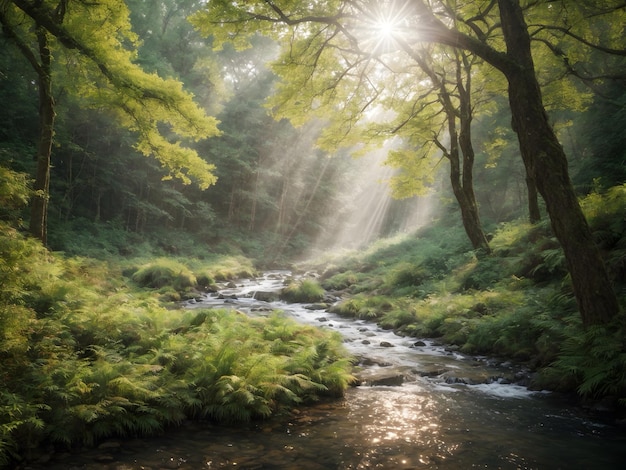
(419, 344)
(317, 306)
(365, 341)
(390, 381)
(386, 344)
(369, 361)
(265, 296)
(227, 297)
(455, 380)
(431, 373)
(322, 319)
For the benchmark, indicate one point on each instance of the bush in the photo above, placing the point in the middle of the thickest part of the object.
(304, 291)
(165, 272)
(340, 281)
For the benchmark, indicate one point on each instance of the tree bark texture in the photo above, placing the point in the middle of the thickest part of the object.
(546, 163)
(534, 214)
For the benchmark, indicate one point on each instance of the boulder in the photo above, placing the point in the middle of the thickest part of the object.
(265, 296)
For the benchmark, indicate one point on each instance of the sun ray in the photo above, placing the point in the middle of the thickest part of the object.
(384, 21)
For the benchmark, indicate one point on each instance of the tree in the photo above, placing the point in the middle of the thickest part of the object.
(95, 43)
(453, 115)
(325, 42)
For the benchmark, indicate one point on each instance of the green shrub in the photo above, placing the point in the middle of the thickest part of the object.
(303, 291)
(397, 319)
(340, 281)
(364, 307)
(592, 360)
(165, 272)
(406, 275)
(485, 273)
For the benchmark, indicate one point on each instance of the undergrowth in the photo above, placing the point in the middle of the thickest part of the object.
(89, 353)
(517, 303)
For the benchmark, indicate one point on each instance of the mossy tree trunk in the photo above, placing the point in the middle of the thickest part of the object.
(534, 214)
(546, 163)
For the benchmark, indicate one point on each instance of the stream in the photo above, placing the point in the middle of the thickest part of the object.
(419, 406)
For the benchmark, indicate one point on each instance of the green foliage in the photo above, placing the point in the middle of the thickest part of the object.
(516, 303)
(594, 360)
(165, 272)
(86, 356)
(305, 291)
(398, 318)
(339, 281)
(364, 306)
(406, 278)
(14, 193)
(484, 273)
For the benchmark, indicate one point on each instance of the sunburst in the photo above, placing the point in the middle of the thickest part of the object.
(385, 21)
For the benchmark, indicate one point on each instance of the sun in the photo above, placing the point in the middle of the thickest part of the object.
(385, 28)
(384, 23)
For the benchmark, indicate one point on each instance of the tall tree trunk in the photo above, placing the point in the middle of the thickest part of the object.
(462, 187)
(534, 214)
(462, 181)
(39, 205)
(469, 206)
(546, 163)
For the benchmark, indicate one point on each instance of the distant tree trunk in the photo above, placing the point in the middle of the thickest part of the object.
(546, 163)
(255, 197)
(231, 203)
(39, 205)
(281, 217)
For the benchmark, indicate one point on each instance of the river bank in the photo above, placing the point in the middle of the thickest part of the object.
(418, 405)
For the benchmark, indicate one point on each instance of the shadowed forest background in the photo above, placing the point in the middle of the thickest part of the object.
(86, 318)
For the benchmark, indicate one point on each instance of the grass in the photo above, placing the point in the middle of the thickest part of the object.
(305, 291)
(517, 303)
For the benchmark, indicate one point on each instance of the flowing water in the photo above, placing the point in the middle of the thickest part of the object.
(419, 406)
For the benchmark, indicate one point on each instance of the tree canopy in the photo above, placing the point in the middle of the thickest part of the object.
(336, 54)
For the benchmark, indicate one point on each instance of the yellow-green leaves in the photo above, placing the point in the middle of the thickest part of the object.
(99, 56)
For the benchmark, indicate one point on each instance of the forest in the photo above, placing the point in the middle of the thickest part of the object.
(450, 170)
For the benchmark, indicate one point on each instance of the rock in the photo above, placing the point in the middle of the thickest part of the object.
(228, 297)
(317, 306)
(368, 361)
(265, 296)
(365, 342)
(322, 319)
(419, 344)
(386, 344)
(390, 381)
(455, 380)
(431, 373)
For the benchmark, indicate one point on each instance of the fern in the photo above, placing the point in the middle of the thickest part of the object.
(596, 360)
